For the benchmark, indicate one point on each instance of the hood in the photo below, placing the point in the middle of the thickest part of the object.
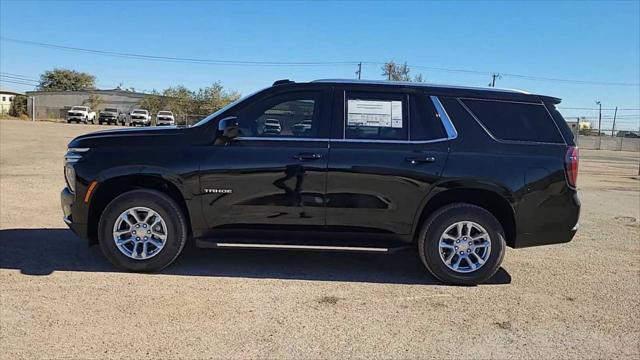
(161, 136)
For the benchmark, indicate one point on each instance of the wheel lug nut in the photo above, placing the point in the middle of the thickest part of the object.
(469, 250)
(461, 252)
(148, 231)
(137, 238)
(456, 248)
(145, 238)
(133, 232)
(137, 225)
(145, 225)
(458, 240)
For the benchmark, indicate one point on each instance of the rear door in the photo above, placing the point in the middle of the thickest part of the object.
(274, 174)
(388, 148)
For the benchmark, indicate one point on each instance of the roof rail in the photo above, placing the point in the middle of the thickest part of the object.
(283, 81)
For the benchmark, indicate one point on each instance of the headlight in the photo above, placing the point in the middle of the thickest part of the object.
(70, 177)
(72, 156)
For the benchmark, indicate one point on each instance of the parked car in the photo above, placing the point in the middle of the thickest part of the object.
(457, 174)
(81, 114)
(139, 117)
(109, 116)
(302, 128)
(165, 118)
(272, 126)
(628, 134)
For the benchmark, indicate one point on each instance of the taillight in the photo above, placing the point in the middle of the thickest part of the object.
(571, 160)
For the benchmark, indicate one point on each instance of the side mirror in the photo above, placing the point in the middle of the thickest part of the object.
(228, 129)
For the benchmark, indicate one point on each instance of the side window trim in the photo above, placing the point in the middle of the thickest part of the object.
(452, 133)
(520, 142)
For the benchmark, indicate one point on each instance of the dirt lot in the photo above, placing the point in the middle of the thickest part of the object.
(61, 299)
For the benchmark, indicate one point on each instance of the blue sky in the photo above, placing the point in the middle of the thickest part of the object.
(594, 41)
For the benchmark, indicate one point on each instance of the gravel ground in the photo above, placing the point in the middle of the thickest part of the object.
(62, 299)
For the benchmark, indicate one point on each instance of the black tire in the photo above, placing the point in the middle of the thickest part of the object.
(161, 204)
(435, 226)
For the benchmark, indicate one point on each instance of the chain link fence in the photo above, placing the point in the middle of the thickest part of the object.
(589, 137)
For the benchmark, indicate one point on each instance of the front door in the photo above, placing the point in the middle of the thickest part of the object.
(391, 147)
(274, 173)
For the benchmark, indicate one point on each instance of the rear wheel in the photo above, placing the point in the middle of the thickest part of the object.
(142, 230)
(462, 244)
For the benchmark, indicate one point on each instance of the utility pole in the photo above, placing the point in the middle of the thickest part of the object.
(359, 71)
(615, 112)
(599, 116)
(493, 79)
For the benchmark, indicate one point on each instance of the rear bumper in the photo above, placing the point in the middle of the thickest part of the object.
(67, 200)
(557, 225)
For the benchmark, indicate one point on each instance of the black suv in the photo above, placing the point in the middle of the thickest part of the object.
(457, 173)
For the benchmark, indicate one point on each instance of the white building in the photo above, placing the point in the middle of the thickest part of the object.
(6, 98)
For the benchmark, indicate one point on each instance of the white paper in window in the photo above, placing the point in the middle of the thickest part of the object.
(374, 113)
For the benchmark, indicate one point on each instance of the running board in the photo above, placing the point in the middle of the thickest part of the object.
(208, 244)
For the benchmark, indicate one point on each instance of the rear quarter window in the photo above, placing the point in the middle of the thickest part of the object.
(514, 121)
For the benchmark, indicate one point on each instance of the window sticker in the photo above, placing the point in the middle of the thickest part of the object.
(374, 113)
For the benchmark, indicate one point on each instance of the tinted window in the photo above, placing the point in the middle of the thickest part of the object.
(425, 125)
(515, 121)
(286, 115)
(562, 124)
(376, 116)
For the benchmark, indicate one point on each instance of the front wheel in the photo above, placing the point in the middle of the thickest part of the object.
(142, 231)
(462, 244)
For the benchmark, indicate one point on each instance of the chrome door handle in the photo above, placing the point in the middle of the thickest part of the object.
(415, 160)
(307, 156)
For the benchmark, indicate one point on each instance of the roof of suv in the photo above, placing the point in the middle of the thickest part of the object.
(449, 90)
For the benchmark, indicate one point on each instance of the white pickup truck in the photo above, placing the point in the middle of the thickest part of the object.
(81, 114)
(139, 117)
(165, 118)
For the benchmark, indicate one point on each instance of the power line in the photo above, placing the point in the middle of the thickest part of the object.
(581, 108)
(17, 78)
(16, 82)
(18, 75)
(178, 59)
(284, 63)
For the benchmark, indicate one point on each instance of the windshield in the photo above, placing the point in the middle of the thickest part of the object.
(165, 113)
(139, 112)
(79, 108)
(229, 106)
(110, 110)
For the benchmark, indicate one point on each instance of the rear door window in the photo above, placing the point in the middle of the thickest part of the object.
(515, 121)
(424, 124)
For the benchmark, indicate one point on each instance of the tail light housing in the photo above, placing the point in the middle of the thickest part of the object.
(571, 160)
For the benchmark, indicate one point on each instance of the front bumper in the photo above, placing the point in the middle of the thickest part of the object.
(67, 200)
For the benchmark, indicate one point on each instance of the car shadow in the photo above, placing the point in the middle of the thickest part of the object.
(43, 251)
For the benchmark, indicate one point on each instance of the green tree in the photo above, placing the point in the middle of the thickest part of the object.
(399, 72)
(179, 99)
(212, 98)
(153, 102)
(94, 102)
(18, 106)
(66, 80)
